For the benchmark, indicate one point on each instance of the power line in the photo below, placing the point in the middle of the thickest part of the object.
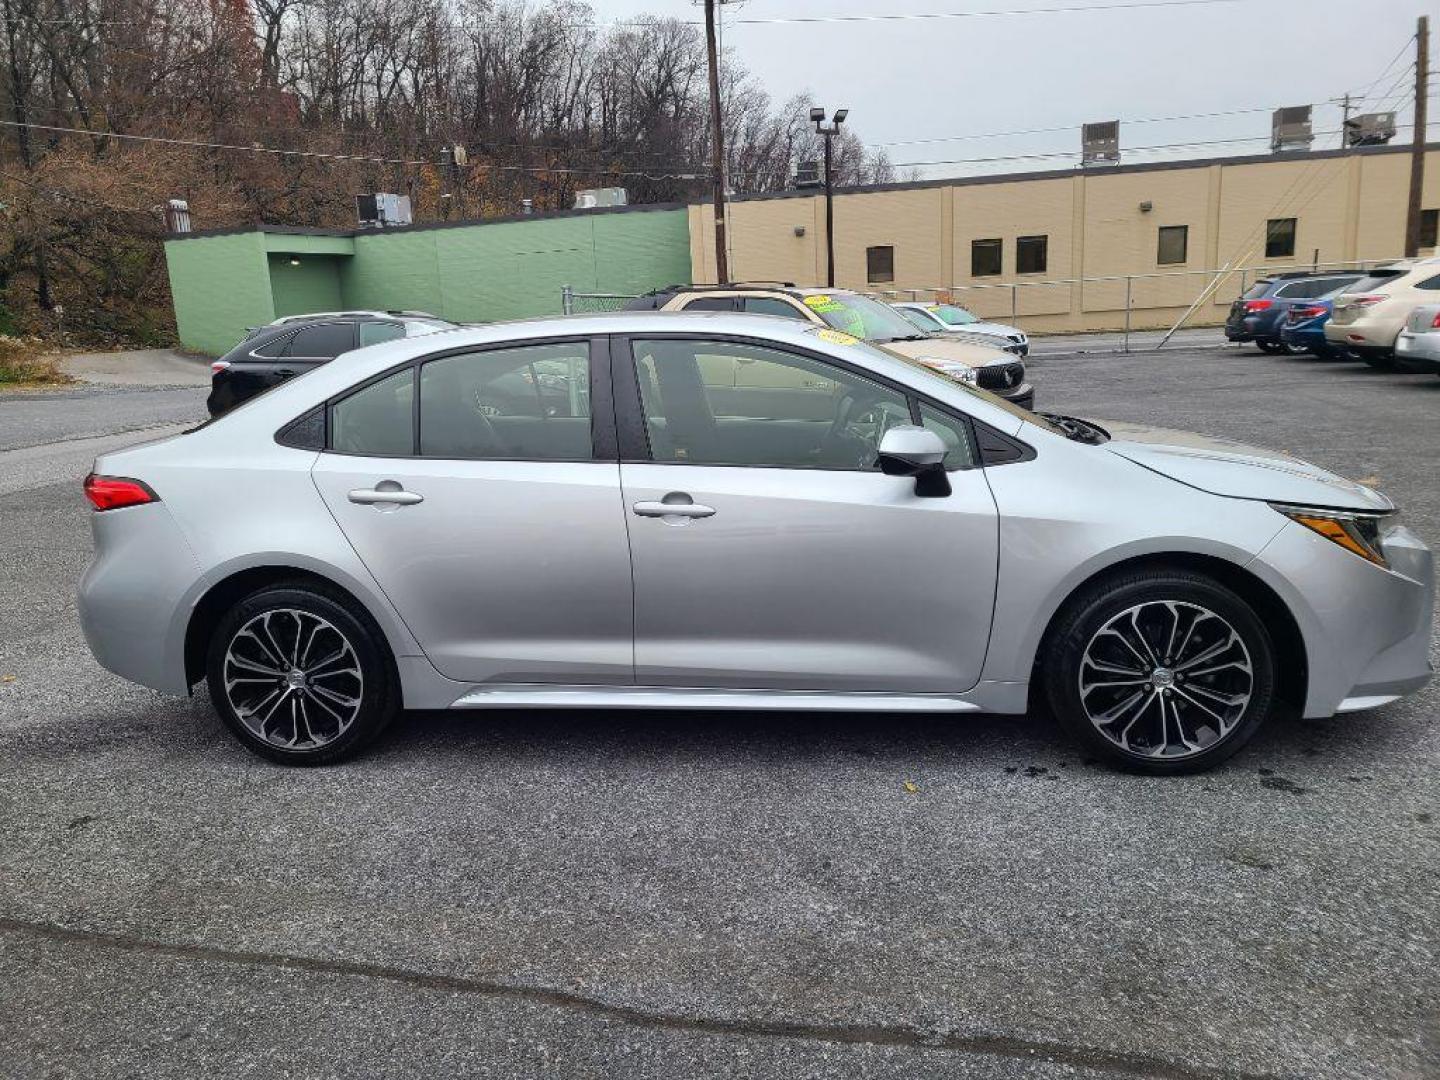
(1076, 153)
(1072, 127)
(319, 154)
(1127, 5)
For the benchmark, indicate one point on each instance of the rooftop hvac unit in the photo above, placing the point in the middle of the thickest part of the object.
(177, 216)
(1290, 129)
(593, 198)
(382, 210)
(807, 174)
(1371, 129)
(1100, 143)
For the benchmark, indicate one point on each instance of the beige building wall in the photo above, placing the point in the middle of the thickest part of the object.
(1099, 223)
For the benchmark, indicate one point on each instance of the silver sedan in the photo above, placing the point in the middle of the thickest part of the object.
(720, 511)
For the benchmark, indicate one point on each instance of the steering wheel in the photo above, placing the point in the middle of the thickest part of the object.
(842, 442)
(484, 430)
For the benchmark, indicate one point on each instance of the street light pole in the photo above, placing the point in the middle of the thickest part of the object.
(717, 146)
(829, 131)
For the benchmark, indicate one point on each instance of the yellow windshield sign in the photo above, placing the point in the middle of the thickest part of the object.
(836, 337)
(820, 303)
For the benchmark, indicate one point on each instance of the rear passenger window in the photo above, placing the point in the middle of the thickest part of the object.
(712, 303)
(377, 420)
(372, 333)
(1429, 283)
(323, 342)
(528, 404)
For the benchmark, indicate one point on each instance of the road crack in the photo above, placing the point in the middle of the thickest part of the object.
(1116, 1062)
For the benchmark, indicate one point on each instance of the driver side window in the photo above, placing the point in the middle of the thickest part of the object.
(736, 403)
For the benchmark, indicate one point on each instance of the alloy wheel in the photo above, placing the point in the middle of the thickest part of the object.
(293, 679)
(1166, 679)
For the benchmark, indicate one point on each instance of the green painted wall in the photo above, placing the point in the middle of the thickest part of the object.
(220, 286)
(514, 269)
(313, 285)
(476, 273)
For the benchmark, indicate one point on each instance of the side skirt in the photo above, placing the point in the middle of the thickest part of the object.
(539, 696)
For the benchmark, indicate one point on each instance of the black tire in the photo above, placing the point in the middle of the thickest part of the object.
(336, 627)
(1378, 361)
(1079, 629)
(1271, 347)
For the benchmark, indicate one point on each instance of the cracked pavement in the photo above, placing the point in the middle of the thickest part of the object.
(669, 895)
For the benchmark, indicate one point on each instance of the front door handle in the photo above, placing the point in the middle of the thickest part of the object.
(677, 504)
(387, 492)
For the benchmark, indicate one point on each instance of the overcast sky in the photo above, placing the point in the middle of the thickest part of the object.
(974, 76)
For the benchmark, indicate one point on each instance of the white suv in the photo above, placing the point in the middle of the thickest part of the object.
(1368, 317)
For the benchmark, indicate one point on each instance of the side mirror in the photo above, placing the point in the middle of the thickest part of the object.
(908, 450)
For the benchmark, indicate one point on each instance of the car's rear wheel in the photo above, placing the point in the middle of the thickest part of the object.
(1271, 347)
(301, 675)
(1379, 361)
(1161, 671)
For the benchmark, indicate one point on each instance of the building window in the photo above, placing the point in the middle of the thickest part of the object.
(1031, 254)
(1174, 245)
(1429, 220)
(1280, 238)
(879, 265)
(986, 257)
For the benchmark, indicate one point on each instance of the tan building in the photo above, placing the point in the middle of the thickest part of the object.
(1016, 245)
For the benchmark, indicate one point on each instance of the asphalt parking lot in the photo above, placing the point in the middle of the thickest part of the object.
(683, 895)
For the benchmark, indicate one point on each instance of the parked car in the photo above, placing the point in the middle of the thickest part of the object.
(874, 537)
(860, 316)
(314, 315)
(933, 327)
(1304, 328)
(272, 354)
(954, 318)
(1418, 345)
(1368, 316)
(1259, 315)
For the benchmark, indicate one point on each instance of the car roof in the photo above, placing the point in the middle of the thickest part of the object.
(285, 402)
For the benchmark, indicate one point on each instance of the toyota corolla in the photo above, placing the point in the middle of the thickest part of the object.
(722, 511)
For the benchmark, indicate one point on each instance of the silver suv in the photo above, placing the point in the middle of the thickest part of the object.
(719, 511)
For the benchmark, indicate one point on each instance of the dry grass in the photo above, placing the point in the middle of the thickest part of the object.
(24, 362)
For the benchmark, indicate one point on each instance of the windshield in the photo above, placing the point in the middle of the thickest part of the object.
(954, 316)
(921, 320)
(862, 317)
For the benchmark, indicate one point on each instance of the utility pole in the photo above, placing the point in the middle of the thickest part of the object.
(828, 132)
(1345, 121)
(717, 145)
(1417, 149)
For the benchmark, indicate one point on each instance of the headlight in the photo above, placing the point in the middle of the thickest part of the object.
(1357, 533)
(952, 369)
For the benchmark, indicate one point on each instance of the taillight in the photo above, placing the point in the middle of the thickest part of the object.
(113, 492)
(1299, 313)
(1366, 301)
(219, 365)
(1435, 323)
(1252, 306)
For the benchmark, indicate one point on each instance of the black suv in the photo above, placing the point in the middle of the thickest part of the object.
(1259, 315)
(271, 354)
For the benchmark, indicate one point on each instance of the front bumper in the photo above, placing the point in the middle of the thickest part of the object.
(1366, 628)
(1023, 396)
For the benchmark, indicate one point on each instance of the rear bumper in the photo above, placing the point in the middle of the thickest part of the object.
(1311, 338)
(1418, 351)
(130, 592)
(1366, 629)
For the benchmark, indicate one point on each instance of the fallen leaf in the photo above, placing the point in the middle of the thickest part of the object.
(911, 788)
(7, 678)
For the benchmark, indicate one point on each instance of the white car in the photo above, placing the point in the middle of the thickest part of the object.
(951, 319)
(1418, 346)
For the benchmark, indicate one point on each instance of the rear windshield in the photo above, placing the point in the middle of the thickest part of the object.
(860, 316)
(1376, 279)
(1256, 291)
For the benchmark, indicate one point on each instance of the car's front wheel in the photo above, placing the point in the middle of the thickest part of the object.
(301, 675)
(1161, 671)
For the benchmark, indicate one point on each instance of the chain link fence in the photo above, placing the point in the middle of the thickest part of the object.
(581, 303)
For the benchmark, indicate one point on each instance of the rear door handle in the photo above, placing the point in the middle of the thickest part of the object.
(383, 495)
(286, 373)
(686, 509)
